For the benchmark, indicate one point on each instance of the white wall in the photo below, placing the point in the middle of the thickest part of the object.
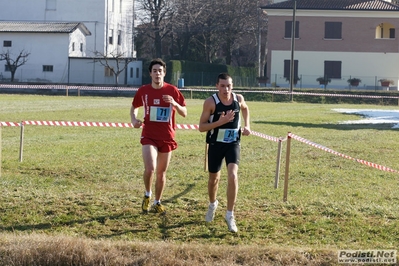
(86, 71)
(77, 38)
(93, 13)
(366, 66)
(135, 73)
(40, 54)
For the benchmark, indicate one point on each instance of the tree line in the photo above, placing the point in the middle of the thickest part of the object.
(212, 31)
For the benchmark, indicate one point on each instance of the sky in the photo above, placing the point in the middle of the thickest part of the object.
(372, 116)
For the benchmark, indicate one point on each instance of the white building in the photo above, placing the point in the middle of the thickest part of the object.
(110, 23)
(43, 64)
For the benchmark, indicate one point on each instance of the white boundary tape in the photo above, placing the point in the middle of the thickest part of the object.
(374, 165)
(55, 87)
(195, 127)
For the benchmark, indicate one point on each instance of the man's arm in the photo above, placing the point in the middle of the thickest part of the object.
(133, 117)
(207, 110)
(245, 114)
(181, 110)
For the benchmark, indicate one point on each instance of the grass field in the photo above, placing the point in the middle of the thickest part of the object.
(75, 198)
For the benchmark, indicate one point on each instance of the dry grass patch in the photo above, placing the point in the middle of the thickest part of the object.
(41, 249)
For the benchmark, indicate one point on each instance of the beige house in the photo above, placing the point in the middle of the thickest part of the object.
(334, 39)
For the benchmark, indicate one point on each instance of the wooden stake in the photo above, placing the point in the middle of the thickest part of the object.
(206, 157)
(0, 148)
(276, 179)
(287, 167)
(21, 141)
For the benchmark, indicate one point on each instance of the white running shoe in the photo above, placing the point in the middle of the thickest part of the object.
(210, 214)
(231, 223)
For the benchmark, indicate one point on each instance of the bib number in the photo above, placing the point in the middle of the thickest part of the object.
(159, 114)
(227, 135)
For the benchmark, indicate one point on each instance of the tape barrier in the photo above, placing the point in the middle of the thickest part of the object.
(64, 87)
(9, 124)
(71, 87)
(82, 124)
(195, 127)
(374, 165)
(305, 93)
(104, 124)
(266, 136)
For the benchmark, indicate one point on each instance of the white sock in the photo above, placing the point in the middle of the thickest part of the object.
(156, 202)
(148, 194)
(213, 204)
(229, 213)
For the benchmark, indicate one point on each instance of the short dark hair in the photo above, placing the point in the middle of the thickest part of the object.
(224, 76)
(157, 61)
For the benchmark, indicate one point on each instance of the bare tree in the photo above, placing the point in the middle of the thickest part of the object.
(157, 16)
(212, 31)
(13, 63)
(116, 63)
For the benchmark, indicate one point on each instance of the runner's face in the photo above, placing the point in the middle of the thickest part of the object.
(157, 74)
(225, 86)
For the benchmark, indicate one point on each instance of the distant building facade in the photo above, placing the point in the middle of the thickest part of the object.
(111, 32)
(334, 39)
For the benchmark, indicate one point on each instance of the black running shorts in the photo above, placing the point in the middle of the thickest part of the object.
(217, 151)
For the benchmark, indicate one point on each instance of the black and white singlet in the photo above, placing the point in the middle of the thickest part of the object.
(229, 132)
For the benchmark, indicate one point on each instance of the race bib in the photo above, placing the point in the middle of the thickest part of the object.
(227, 135)
(159, 114)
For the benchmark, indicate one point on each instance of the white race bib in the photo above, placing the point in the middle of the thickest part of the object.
(159, 114)
(227, 135)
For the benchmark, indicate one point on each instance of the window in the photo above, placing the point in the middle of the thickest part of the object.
(47, 68)
(333, 30)
(73, 46)
(392, 33)
(287, 70)
(7, 43)
(137, 72)
(119, 37)
(108, 72)
(288, 29)
(332, 69)
(131, 72)
(81, 47)
(110, 37)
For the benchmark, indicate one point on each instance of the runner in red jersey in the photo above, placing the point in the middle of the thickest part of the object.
(160, 102)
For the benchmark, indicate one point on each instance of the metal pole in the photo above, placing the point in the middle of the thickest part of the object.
(259, 45)
(292, 51)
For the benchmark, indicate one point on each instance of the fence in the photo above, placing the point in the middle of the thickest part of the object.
(279, 140)
(347, 82)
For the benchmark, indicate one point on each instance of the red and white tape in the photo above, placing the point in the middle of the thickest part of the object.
(9, 124)
(190, 126)
(261, 135)
(82, 124)
(374, 165)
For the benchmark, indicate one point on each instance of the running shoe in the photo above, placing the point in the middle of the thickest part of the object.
(145, 206)
(210, 214)
(231, 223)
(158, 208)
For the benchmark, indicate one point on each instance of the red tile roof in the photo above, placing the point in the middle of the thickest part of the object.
(372, 5)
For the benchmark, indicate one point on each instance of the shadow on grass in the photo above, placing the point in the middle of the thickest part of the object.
(382, 126)
(164, 225)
